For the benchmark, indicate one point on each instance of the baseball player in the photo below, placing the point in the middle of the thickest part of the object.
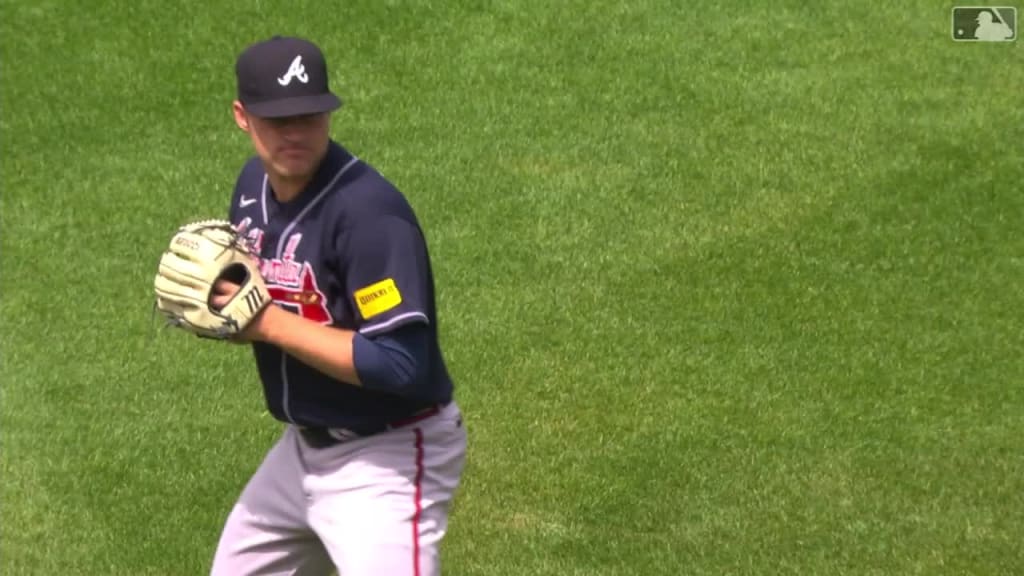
(372, 452)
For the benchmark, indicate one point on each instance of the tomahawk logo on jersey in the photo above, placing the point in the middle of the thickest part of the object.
(290, 282)
(348, 252)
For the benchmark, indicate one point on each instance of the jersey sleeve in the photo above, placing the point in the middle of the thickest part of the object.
(387, 277)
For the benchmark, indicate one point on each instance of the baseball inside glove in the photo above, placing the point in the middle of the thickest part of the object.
(200, 254)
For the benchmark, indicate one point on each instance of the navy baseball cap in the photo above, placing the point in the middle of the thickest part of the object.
(284, 76)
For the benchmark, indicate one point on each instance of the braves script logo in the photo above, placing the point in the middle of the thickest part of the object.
(296, 70)
(291, 283)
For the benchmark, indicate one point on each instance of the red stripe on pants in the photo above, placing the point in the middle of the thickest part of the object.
(418, 503)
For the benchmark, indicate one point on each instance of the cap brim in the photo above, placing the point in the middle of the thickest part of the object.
(297, 106)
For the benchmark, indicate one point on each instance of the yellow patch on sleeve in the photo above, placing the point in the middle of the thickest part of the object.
(377, 298)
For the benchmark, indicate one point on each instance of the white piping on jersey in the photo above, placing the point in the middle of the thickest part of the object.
(280, 247)
(284, 385)
(263, 200)
(376, 327)
(288, 229)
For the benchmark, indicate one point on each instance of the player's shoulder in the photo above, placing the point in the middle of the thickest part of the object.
(248, 183)
(250, 177)
(368, 196)
(251, 172)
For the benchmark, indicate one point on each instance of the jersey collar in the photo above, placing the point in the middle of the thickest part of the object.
(334, 159)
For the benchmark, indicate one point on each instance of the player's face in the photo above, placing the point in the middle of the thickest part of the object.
(291, 147)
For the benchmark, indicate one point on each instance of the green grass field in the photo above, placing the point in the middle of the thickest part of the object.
(729, 290)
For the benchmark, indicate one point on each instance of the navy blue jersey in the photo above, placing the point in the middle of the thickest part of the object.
(347, 252)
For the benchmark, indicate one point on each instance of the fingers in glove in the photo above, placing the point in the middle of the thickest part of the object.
(173, 290)
(182, 271)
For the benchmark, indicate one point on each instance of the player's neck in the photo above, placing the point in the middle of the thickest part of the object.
(287, 189)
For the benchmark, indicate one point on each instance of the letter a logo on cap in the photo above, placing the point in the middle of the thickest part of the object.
(296, 70)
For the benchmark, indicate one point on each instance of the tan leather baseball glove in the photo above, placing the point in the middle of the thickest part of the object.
(200, 254)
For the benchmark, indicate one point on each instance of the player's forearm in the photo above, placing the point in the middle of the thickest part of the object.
(327, 349)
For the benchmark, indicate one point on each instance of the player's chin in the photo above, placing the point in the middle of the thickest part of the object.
(294, 167)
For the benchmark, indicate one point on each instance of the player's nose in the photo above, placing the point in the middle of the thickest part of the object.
(295, 131)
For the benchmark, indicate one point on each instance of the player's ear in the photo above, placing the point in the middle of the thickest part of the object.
(240, 117)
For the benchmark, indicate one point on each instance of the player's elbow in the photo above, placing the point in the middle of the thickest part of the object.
(404, 372)
(395, 363)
